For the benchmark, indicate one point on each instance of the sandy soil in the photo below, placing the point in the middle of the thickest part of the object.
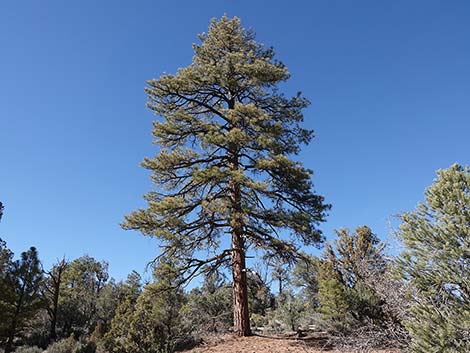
(258, 344)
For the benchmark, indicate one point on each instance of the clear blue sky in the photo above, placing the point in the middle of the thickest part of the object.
(389, 83)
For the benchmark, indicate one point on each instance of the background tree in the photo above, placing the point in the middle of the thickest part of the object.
(360, 254)
(2, 208)
(107, 303)
(132, 286)
(346, 299)
(154, 324)
(209, 308)
(291, 309)
(52, 286)
(224, 167)
(6, 290)
(305, 277)
(23, 294)
(280, 272)
(117, 338)
(437, 262)
(82, 284)
(260, 298)
(332, 292)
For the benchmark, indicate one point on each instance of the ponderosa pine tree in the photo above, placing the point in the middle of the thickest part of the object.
(224, 168)
(437, 262)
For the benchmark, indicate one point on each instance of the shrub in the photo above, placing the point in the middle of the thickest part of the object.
(28, 349)
(68, 345)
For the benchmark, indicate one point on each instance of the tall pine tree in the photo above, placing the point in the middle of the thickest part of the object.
(437, 262)
(224, 168)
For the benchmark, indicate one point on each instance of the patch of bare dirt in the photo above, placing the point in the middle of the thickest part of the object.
(272, 344)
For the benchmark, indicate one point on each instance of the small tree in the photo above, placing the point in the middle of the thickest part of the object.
(116, 338)
(280, 272)
(346, 299)
(209, 308)
(81, 285)
(437, 262)
(23, 294)
(305, 277)
(7, 292)
(332, 292)
(154, 323)
(132, 287)
(225, 167)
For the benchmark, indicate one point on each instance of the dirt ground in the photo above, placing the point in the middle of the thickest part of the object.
(264, 344)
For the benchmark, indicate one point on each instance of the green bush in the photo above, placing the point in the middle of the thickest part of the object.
(347, 299)
(69, 345)
(28, 349)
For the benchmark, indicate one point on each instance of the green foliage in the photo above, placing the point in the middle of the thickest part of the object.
(280, 271)
(333, 293)
(29, 349)
(38, 331)
(291, 309)
(6, 290)
(116, 339)
(154, 323)
(82, 284)
(132, 287)
(21, 299)
(260, 297)
(209, 308)
(71, 345)
(106, 304)
(360, 255)
(436, 262)
(68, 345)
(305, 277)
(346, 298)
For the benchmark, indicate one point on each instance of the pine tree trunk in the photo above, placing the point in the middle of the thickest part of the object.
(241, 316)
